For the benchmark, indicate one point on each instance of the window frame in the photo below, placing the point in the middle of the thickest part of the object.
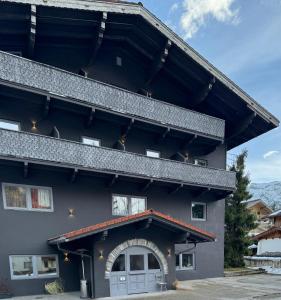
(129, 197)
(205, 211)
(34, 267)
(90, 138)
(155, 151)
(180, 267)
(28, 198)
(11, 122)
(200, 159)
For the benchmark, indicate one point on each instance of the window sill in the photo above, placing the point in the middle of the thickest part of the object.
(185, 269)
(201, 220)
(34, 277)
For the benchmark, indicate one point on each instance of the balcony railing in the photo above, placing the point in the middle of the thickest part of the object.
(22, 146)
(39, 78)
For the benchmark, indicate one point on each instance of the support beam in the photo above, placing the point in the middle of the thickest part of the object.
(201, 192)
(55, 133)
(32, 32)
(189, 141)
(175, 190)
(144, 224)
(146, 186)
(25, 169)
(98, 39)
(162, 137)
(203, 94)
(182, 238)
(113, 180)
(242, 126)
(91, 117)
(47, 106)
(158, 63)
(126, 129)
(74, 175)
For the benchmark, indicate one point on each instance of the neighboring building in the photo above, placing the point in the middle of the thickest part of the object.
(268, 247)
(123, 164)
(260, 210)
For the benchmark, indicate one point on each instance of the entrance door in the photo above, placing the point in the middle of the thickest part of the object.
(136, 274)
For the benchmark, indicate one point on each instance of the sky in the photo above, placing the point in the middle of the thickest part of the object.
(243, 40)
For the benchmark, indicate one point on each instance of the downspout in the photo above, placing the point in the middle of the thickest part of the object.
(83, 270)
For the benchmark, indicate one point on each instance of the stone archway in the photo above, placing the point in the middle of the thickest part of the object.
(131, 243)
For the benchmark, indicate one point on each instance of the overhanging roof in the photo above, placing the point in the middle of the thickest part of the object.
(138, 9)
(268, 233)
(197, 234)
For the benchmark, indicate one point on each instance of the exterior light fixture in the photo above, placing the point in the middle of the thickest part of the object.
(169, 252)
(71, 212)
(66, 258)
(34, 127)
(101, 255)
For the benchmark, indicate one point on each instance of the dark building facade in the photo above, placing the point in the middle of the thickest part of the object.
(113, 142)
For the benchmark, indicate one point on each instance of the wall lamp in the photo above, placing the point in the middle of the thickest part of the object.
(71, 212)
(34, 125)
(66, 258)
(101, 255)
(169, 252)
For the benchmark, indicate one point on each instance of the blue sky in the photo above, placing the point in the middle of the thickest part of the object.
(242, 39)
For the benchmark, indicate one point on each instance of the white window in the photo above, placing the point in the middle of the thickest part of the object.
(33, 266)
(90, 141)
(152, 153)
(198, 211)
(201, 162)
(185, 261)
(127, 205)
(4, 124)
(25, 197)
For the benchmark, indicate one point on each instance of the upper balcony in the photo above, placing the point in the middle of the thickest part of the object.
(38, 149)
(38, 78)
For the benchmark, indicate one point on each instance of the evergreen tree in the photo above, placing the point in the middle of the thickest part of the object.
(238, 220)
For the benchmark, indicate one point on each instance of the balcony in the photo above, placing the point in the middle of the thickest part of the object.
(41, 79)
(38, 149)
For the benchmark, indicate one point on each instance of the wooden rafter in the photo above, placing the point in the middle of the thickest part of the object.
(160, 139)
(126, 129)
(74, 175)
(47, 106)
(91, 117)
(25, 169)
(202, 95)
(146, 186)
(176, 189)
(32, 32)
(113, 180)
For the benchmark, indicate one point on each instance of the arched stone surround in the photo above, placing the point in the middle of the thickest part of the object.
(130, 243)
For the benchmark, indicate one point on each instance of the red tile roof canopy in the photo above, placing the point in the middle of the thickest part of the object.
(200, 234)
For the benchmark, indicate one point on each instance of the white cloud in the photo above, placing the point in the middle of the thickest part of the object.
(270, 154)
(174, 8)
(196, 12)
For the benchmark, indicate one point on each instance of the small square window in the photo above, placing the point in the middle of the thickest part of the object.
(152, 153)
(46, 265)
(119, 61)
(15, 196)
(201, 162)
(4, 124)
(127, 205)
(90, 141)
(185, 261)
(198, 211)
(21, 266)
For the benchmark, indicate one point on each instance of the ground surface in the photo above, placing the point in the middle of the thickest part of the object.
(256, 287)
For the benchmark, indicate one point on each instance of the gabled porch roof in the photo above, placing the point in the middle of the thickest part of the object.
(189, 231)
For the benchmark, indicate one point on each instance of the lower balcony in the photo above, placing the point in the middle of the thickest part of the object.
(39, 149)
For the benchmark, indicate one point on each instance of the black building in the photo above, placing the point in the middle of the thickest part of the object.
(113, 141)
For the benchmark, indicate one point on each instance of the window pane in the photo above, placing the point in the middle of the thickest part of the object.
(201, 162)
(90, 141)
(151, 153)
(41, 198)
(15, 196)
(198, 211)
(46, 265)
(187, 260)
(9, 125)
(137, 205)
(119, 264)
(22, 266)
(177, 260)
(153, 263)
(120, 206)
(136, 262)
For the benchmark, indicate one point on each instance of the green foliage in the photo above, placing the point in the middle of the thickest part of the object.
(238, 220)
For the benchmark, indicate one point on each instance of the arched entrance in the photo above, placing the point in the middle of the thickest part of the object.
(136, 268)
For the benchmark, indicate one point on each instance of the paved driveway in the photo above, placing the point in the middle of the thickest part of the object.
(256, 287)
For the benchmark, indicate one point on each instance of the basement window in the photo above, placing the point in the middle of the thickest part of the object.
(5, 124)
(24, 197)
(90, 141)
(127, 205)
(198, 211)
(33, 266)
(185, 261)
(152, 153)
